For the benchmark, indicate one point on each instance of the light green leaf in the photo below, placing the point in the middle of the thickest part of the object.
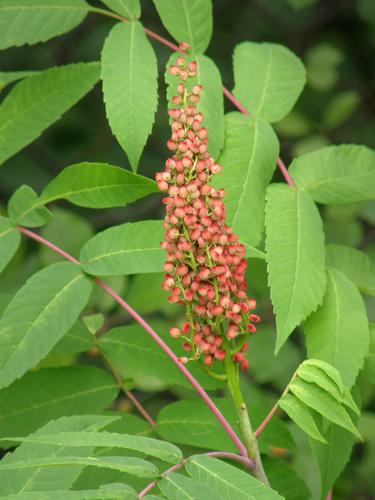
(38, 316)
(134, 466)
(94, 322)
(129, 74)
(192, 423)
(23, 209)
(249, 160)
(295, 257)
(356, 266)
(130, 9)
(10, 239)
(328, 369)
(7, 77)
(50, 393)
(97, 185)
(322, 402)
(338, 331)
(126, 249)
(178, 487)
(22, 21)
(107, 491)
(369, 366)
(37, 102)
(187, 21)
(226, 481)
(132, 348)
(211, 103)
(301, 415)
(41, 479)
(337, 174)
(268, 79)
(149, 446)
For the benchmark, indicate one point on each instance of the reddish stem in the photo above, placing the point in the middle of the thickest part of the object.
(285, 172)
(194, 382)
(141, 409)
(236, 102)
(247, 462)
(329, 495)
(266, 420)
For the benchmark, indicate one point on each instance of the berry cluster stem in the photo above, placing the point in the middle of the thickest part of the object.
(248, 435)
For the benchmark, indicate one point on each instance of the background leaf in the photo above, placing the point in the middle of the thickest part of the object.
(295, 257)
(23, 210)
(38, 316)
(10, 239)
(126, 249)
(22, 21)
(47, 394)
(38, 101)
(129, 74)
(97, 185)
(7, 77)
(268, 79)
(249, 160)
(336, 174)
(356, 266)
(187, 21)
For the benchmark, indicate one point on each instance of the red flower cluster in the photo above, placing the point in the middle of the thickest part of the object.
(206, 264)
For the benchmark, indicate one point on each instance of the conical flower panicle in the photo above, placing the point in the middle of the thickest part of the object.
(205, 266)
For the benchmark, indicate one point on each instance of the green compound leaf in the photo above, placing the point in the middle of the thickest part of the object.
(24, 209)
(268, 79)
(118, 491)
(130, 248)
(37, 102)
(187, 21)
(129, 74)
(178, 486)
(227, 481)
(249, 160)
(10, 239)
(356, 266)
(38, 316)
(338, 331)
(47, 394)
(301, 415)
(97, 185)
(295, 257)
(130, 9)
(41, 479)
(211, 103)
(337, 174)
(149, 446)
(24, 21)
(322, 402)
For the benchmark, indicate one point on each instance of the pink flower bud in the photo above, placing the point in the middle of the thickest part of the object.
(174, 70)
(184, 47)
(175, 333)
(254, 318)
(193, 66)
(251, 328)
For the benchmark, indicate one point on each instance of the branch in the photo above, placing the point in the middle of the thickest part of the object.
(193, 381)
(226, 92)
(246, 462)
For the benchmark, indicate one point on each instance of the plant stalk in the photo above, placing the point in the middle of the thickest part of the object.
(248, 435)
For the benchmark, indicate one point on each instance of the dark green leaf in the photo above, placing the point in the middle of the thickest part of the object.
(130, 9)
(285, 480)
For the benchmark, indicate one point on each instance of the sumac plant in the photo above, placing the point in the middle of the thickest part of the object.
(136, 362)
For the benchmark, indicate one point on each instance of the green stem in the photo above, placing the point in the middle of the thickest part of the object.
(244, 421)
